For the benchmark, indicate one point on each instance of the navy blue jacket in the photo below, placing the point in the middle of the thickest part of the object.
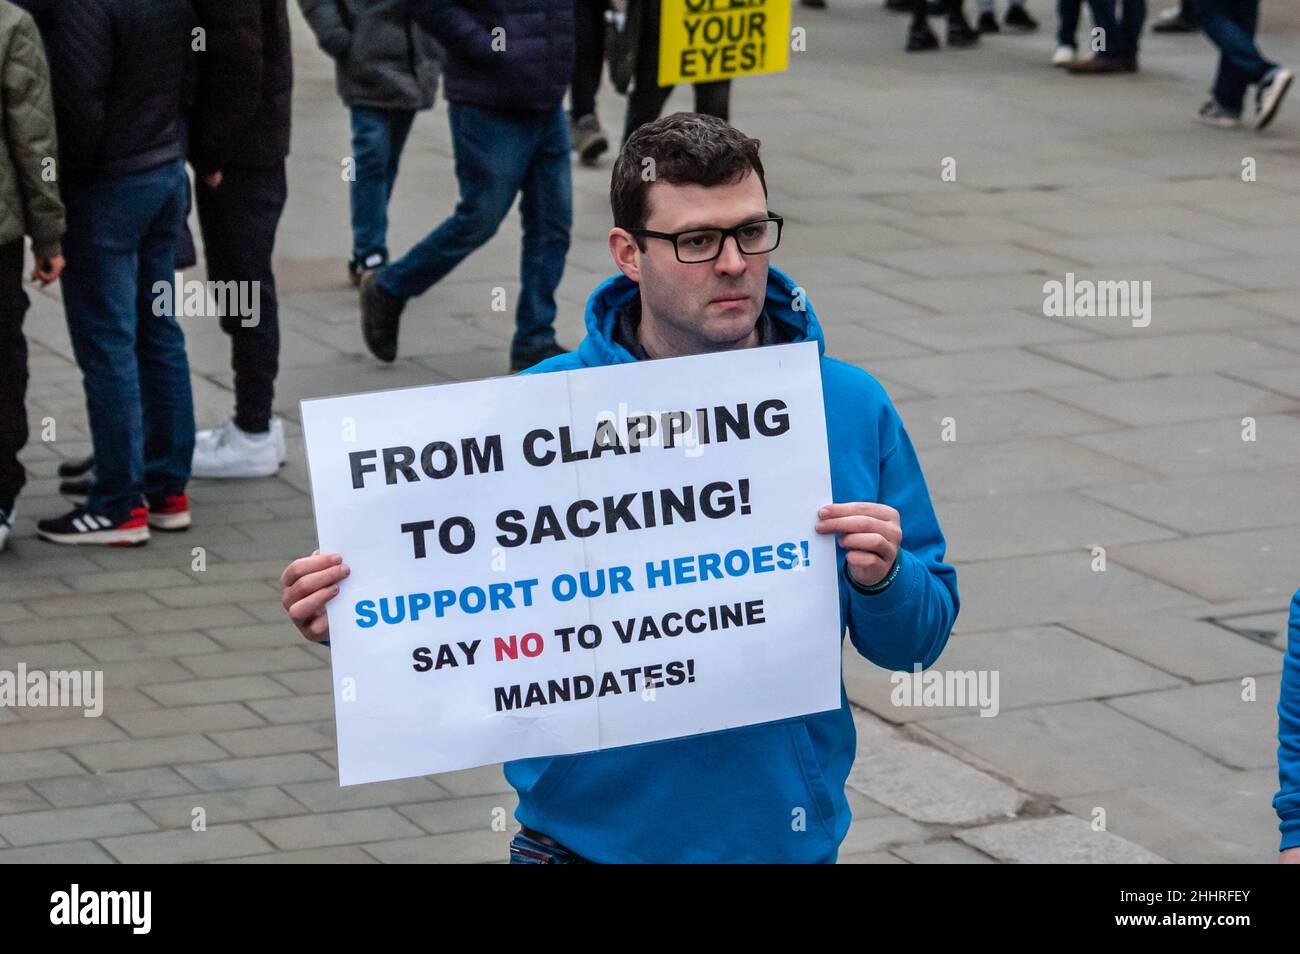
(502, 54)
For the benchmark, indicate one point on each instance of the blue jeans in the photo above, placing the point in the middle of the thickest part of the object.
(499, 155)
(1230, 25)
(120, 244)
(1121, 33)
(378, 136)
(527, 851)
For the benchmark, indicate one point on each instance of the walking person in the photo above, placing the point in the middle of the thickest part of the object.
(921, 38)
(119, 67)
(1119, 35)
(1230, 25)
(589, 139)
(509, 64)
(386, 70)
(29, 204)
(239, 139)
(647, 98)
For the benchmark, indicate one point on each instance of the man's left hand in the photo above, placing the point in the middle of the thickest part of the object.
(869, 532)
(213, 180)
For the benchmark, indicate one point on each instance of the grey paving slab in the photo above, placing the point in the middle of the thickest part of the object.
(982, 372)
(947, 852)
(965, 470)
(1046, 589)
(1034, 666)
(995, 419)
(1228, 820)
(1220, 503)
(1190, 648)
(1168, 354)
(1234, 721)
(1070, 749)
(171, 847)
(1204, 447)
(1057, 840)
(1247, 564)
(1171, 399)
(1018, 524)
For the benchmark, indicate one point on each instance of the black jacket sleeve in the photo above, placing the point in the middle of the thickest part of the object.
(228, 89)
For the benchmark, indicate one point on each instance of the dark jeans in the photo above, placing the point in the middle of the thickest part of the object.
(1230, 25)
(378, 136)
(647, 98)
(499, 155)
(1121, 34)
(589, 56)
(528, 851)
(1067, 22)
(117, 291)
(238, 219)
(13, 372)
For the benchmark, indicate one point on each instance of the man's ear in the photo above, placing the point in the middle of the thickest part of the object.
(623, 250)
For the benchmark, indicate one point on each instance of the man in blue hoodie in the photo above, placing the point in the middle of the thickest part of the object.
(1287, 800)
(692, 239)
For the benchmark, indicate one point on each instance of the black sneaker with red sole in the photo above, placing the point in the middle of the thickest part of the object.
(169, 512)
(80, 526)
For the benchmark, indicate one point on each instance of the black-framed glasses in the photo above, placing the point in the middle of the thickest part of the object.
(694, 246)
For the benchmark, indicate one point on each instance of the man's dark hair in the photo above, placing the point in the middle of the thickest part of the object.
(686, 148)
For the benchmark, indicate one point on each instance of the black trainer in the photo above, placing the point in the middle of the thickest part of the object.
(523, 360)
(77, 487)
(381, 314)
(898, 6)
(127, 529)
(988, 23)
(1018, 19)
(77, 467)
(962, 34)
(921, 38)
(358, 265)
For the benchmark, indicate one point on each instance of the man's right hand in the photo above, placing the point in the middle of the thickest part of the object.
(306, 585)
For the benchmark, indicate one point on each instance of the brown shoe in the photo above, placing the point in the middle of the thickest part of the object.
(1104, 64)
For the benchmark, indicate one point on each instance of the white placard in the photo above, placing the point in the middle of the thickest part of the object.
(556, 563)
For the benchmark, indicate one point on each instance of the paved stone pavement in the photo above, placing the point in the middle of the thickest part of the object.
(1121, 690)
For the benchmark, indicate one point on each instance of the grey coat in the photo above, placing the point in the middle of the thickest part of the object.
(382, 59)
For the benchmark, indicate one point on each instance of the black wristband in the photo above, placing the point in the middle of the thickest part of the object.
(874, 588)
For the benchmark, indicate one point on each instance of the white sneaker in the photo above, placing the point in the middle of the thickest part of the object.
(1063, 56)
(231, 452)
(210, 436)
(1268, 97)
(6, 523)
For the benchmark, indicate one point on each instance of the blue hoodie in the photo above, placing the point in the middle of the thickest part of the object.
(1287, 800)
(736, 795)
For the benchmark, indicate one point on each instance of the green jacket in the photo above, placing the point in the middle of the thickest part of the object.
(29, 192)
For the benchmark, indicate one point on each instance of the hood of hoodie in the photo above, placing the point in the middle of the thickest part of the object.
(786, 302)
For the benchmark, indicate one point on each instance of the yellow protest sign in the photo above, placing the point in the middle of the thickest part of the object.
(705, 40)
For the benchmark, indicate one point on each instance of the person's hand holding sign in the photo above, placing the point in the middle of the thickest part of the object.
(306, 585)
(869, 532)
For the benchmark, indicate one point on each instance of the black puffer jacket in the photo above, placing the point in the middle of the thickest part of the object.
(119, 67)
(502, 54)
(243, 86)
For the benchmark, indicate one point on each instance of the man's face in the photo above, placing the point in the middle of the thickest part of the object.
(702, 306)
